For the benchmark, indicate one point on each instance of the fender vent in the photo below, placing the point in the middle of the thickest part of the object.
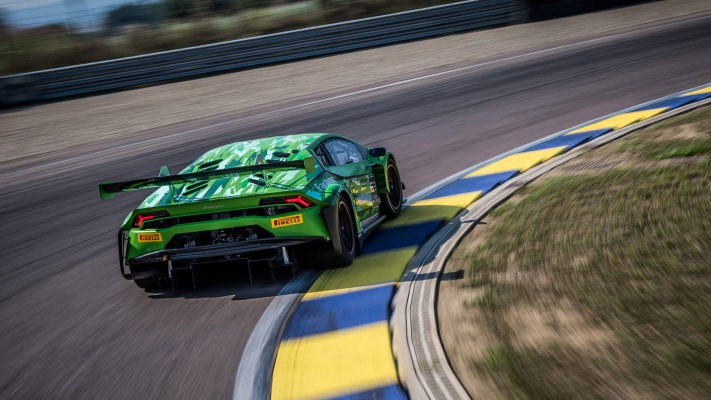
(379, 174)
(210, 165)
(193, 188)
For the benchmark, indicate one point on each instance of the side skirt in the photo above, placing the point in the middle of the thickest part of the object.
(369, 227)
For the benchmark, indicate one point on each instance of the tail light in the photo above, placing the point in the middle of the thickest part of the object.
(301, 201)
(141, 218)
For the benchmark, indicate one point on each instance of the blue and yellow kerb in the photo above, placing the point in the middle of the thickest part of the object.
(337, 344)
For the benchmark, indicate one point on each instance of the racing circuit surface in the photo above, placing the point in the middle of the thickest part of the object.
(73, 328)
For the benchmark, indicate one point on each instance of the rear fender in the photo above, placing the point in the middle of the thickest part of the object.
(381, 178)
(137, 271)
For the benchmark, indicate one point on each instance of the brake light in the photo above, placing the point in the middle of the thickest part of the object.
(141, 218)
(300, 200)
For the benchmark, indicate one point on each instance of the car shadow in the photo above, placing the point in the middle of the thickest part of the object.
(242, 283)
(224, 279)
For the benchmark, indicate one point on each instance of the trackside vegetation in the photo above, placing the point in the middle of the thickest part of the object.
(137, 28)
(595, 280)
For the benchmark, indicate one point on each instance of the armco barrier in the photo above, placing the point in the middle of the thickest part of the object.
(261, 50)
(337, 343)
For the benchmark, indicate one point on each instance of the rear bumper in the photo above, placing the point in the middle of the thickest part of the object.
(222, 249)
(151, 264)
(320, 226)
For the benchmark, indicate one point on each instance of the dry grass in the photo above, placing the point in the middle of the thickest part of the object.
(596, 282)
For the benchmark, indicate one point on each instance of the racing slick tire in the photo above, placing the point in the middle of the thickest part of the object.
(146, 283)
(391, 202)
(347, 234)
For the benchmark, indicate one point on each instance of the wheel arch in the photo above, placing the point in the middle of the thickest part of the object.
(354, 217)
(380, 173)
(330, 215)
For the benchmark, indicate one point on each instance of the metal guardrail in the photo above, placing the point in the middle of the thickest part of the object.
(261, 50)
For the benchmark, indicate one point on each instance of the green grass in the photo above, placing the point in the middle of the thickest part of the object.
(700, 144)
(670, 149)
(630, 250)
(701, 117)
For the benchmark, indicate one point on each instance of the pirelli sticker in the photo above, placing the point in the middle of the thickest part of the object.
(286, 221)
(149, 237)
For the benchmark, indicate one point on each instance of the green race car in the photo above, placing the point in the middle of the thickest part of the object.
(309, 198)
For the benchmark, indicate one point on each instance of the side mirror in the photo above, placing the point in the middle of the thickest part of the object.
(377, 151)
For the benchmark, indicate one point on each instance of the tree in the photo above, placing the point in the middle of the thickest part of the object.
(129, 14)
(222, 5)
(4, 21)
(178, 8)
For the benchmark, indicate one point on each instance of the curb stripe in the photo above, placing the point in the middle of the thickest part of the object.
(620, 120)
(518, 162)
(335, 364)
(705, 91)
(335, 292)
(342, 311)
(401, 236)
(392, 392)
(568, 141)
(416, 214)
(476, 184)
(669, 104)
(456, 200)
(338, 335)
(366, 270)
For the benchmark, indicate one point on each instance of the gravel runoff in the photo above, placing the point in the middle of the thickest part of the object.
(62, 129)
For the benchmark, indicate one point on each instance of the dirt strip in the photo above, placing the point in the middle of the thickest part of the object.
(594, 280)
(60, 129)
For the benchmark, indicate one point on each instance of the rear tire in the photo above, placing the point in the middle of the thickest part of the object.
(347, 235)
(391, 202)
(146, 283)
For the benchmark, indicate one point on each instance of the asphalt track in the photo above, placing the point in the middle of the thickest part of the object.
(73, 329)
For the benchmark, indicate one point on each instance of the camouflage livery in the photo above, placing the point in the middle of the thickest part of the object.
(275, 197)
(253, 152)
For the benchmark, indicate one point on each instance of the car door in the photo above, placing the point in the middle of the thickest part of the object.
(348, 160)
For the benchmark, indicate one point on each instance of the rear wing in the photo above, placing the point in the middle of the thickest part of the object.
(108, 190)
